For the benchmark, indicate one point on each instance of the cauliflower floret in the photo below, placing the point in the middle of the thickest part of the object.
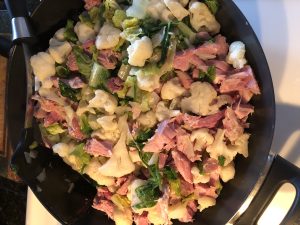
(184, 2)
(241, 145)
(176, 9)
(50, 94)
(108, 128)
(202, 94)
(135, 156)
(198, 177)
(59, 50)
(62, 149)
(163, 113)
(105, 101)
(138, 9)
(177, 211)
(202, 19)
(205, 202)
(122, 217)
(172, 89)
(147, 119)
(158, 10)
(43, 66)
(59, 34)
(139, 51)
(227, 172)
(83, 108)
(236, 55)
(219, 148)
(108, 123)
(202, 138)
(84, 32)
(110, 135)
(108, 37)
(131, 195)
(120, 163)
(92, 170)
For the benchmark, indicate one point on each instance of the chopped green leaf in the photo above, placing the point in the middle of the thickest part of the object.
(186, 31)
(170, 173)
(84, 62)
(86, 19)
(175, 186)
(62, 71)
(155, 174)
(151, 26)
(118, 18)
(81, 154)
(55, 129)
(84, 125)
(209, 75)
(165, 43)
(130, 22)
(68, 92)
(144, 135)
(200, 167)
(221, 160)
(132, 33)
(144, 205)
(110, 7)
(173, 180)
(94, 14)
(69, 33)
(148, 194)
(213, 5)
(99, 76)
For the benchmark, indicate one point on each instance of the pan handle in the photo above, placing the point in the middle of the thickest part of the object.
(5, 46)
(16, 8)
(281, 172)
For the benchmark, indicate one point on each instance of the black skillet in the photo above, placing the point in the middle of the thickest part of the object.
(257, 177)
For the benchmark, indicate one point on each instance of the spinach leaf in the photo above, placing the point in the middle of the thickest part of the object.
(68, 92)
(147, 204)
(62, 71)
(84, 62)
(144, 135)
(69, 33)
(221, 160)
(170, 173)
(172, 179)
(200, 167)
(151, 26)
(175, 186)
(84, 125)
(99, 76)
(155, 174)
(213, 5)
(148, 194)
(83, 157)
(165, 43)
(209, 75)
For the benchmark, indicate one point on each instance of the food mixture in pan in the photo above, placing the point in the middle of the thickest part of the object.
(149, 100)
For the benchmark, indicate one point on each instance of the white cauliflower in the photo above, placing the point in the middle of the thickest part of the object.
(43, 66)
(59, 50)
(138, 9)
(51, 94)
(59, 34)
(83, 108)
(241, 145)
(176, 9)
(219, 148)
(92, 170)
(219, 102)
(108, 130)
(227, 172)
(184, 2)
(62, 149)
(205, 202)
(139, 51)
(198, 177)
(147, 119)
(131, 195)
(92, 120)
(202, 19)
(163, 113)
(158, 10)
(201, 138)
(149, 101)
(122, 217)
(108, 37)
(105, 101)
(84, 32)
(172, 89)
(120, 163)
(108, 123)
(177, 211)
(202, 95)
(135, 156)
(236, 54)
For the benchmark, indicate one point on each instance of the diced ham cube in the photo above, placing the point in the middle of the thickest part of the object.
(99, 148)
(183, 165)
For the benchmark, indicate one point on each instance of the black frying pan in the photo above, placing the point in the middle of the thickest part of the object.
(262, 170)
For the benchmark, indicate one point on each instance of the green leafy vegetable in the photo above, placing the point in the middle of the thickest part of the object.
(110, 7)
(151, 26)
(143, 136)
(62, 71)
(55, 129)
(81, 154)
(148, 194)
(69, 33)
(49, 138)
(155, 174)
(213, 5)
(86, 19)
(209, 75)
(120, 201)
(165, 43)
(68, 92)
(172, 179)
(84, 62)
(131, 22)
(200, 167)
(84, 125)
(99, 76)
(221, 160)
(95, 14)
(132, 33)
(118, 18)
(170, 173)
(186, 31)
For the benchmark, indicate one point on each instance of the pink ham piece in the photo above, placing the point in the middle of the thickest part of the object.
(162, 158)
(39, 113)
(74, 130)
(183, 165)
(219, 64)
(109, 58)
(164, 134)
(243, 110)
(53, 117)
(124, 186)
(115, 84)
(75, 83)
(102, 201)
(104, 193)
(184, 79)
(99, 148)
(196, 122)
(232, 126)
(87, 46)
(185, 146)
(211, 165)
(205, 190)
(141, 219)
(186, 188)
(89, 4)
(72, 63)
(181, 60)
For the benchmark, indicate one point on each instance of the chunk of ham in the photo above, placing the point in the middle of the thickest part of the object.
(141, 219)
(164, 134)
(115, 84)
(53, 117)
(89, 4)
(162, 158)
(87, 46)
(75, 83)
(72, 63)
(183, 165)
(186, 188)
(219, 64)
(123, 189)
(102, 201)
(99, 148)
(205, 190)
(191, 210)
(243, 110)
(196, 122)
(181, 60)
(185, 146)
(184, 79)
(109, 58)
(74, 129)
(232, 126)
